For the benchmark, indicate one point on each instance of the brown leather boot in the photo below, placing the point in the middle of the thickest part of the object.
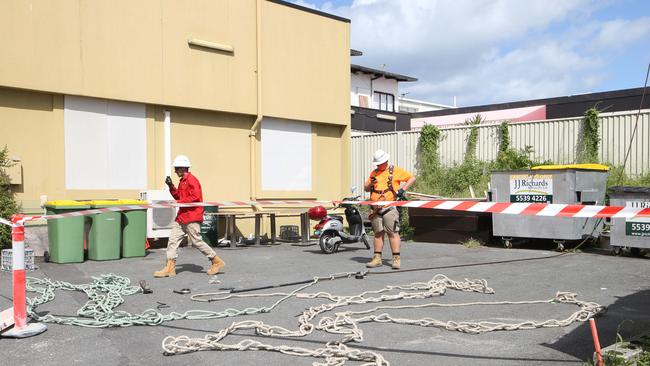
(168, 271)
(396, 262)
(375, 261)
(216, 266)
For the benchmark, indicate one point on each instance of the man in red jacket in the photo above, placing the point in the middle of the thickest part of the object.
(188, 221)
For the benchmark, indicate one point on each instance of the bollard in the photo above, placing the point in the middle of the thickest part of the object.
(21, 328)
(594, 335)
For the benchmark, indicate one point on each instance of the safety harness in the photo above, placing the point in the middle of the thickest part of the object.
(382, 194)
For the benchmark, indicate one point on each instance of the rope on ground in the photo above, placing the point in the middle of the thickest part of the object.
(347, 323)
(107, 292)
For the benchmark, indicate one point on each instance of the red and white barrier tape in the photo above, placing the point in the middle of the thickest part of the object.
(527, 209)
(170, 204)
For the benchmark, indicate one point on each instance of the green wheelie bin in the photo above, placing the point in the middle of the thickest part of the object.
(105, 236)
(134, 229)
(66, 235)
(209, 226)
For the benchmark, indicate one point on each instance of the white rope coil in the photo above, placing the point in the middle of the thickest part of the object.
(347, 323)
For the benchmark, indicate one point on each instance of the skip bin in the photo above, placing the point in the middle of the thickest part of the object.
(632, 233)
(105, 236)
(565, 184)
(209, 226)
(66, 235)
(134, 229)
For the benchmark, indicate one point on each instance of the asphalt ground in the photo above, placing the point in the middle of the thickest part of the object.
(533, 273)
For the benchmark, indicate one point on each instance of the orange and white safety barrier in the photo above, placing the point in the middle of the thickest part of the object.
(21, 328)
(527, 209)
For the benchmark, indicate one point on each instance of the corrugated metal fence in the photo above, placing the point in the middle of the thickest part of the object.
(554, 140)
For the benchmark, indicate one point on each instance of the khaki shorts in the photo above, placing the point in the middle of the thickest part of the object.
(387, 222)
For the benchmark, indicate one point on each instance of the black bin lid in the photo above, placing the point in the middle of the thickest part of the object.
(629, 189)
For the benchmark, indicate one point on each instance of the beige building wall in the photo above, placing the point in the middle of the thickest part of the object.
(139, 52)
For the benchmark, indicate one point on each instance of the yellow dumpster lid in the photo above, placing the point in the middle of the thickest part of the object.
(598, 167)
(132, 202)
(67, 203)
(105, 202)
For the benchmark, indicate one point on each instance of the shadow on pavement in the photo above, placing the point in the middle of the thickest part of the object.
(628, 316)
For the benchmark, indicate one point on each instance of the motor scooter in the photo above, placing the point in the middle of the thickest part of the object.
(330, 227)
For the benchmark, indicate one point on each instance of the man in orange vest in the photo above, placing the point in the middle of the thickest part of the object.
(188, 221)
(381, 184)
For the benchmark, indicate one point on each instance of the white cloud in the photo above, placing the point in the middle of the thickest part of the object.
(486, 51)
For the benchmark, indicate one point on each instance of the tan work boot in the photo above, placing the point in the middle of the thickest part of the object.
(168, 271)
(216, 266)
(375, 261)
(396, 262)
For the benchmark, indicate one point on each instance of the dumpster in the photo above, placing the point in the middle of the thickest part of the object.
(134, 229)
(630, 233)
(66, 235)
(210, 225)
(566, 184)
(105, 236)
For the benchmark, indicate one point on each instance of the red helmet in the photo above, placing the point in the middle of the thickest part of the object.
(317, 212)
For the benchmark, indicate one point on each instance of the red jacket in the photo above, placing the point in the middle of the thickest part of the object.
(189, 190)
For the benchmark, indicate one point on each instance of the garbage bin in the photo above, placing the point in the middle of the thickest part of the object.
(66, 235)
(568, 184)
(134, 229)
(105, 236)
(210, 225)
(632, 233)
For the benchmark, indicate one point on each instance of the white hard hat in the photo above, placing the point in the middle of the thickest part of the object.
(380, 157)
(182, 161)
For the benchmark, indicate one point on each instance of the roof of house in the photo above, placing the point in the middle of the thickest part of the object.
(310, 10)
(386, 74)
(601, 98)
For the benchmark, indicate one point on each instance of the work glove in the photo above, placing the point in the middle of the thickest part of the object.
(168, 182)
(401, 195)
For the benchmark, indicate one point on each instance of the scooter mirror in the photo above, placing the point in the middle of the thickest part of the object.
(353, 189)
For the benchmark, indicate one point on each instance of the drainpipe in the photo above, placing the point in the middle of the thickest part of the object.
(253, 132)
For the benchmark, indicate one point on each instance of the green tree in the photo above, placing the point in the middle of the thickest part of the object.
(8, 205)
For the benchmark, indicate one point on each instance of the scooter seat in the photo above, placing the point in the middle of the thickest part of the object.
(337, 217)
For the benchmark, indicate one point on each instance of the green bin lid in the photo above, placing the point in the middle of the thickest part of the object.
(65, 204)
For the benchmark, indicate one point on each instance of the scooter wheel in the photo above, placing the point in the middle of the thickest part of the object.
(326, 244)
(365, 240)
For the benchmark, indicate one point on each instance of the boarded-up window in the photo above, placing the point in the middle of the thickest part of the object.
(105, 144)
(363, 101)
(286, 155)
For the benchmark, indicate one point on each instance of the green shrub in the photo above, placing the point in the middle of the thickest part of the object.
(8, 205)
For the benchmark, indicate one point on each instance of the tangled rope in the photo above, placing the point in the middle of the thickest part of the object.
(107, 292)
(347, 323)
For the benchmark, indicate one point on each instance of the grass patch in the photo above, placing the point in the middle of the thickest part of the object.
(472, 243)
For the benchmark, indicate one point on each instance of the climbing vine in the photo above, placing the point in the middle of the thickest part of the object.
(503, 136)
(589, 137)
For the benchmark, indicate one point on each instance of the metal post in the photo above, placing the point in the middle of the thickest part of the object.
(273, 238)
(258, 217)
(21, 329)
(304, 227)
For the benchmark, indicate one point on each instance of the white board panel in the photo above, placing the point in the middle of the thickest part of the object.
(286, 155)
(86, 160)
(105, 144)
(127, 148)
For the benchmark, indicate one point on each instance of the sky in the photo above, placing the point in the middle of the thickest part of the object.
(494, 51)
